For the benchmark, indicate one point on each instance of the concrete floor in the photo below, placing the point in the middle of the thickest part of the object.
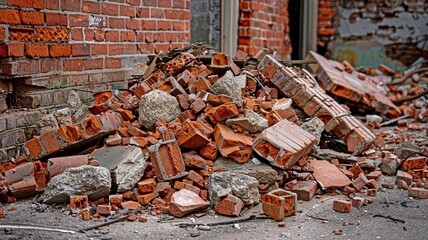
(359, 224)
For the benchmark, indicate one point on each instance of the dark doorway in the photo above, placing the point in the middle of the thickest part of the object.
(296, 31)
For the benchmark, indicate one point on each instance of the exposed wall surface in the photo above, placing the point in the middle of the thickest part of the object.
(264, 24)
(205, 21)
(50, 47)
(369, 32)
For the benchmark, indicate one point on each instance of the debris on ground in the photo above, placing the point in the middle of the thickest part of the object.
(212, 132)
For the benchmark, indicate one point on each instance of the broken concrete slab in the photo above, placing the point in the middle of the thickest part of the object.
(283, 144)
(327, 174)
(157, 105)
(126, 165)
(232, 145)
(95, 182)
(229, 85)
(251, 121)
(185, 202)
(241, 186)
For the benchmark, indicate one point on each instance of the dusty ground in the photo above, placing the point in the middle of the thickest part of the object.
(359, 224)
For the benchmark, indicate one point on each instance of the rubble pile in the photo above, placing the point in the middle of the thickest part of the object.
(198, 132)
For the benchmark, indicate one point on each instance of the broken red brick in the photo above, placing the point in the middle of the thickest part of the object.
(162, 188)
(115, 200)
(197, 179)
(342, 206)
(147, 185)
(230, 206)
(103, 209)
(193, 160)
(78, 202)
(284, 144)
(185, 202)
(144, 199)
(232, 145)
(419, 193)
(167, 160)
(222, 112)
(209, 151)
(60, 164)
(279, 203)
(178, 63)
(86, 214)
(193, 136)
(130, 205)
(305, 190)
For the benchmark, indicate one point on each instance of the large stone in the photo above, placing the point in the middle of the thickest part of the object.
(87, 180)
(185, 202)
(242, 186)
(155, 105)
(229, 85)
(126, 164)
(315, 127)
(252, 122)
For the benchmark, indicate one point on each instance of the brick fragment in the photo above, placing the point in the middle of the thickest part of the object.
(194, 135)
(209, 151)
(278, 204)
(419, 193)
(358, 202)
(222, 112)
(193, 160)
(147, 185)
(197, 179)
(230, 206)
(144, 199)
(178, 63)
(115, 200)
(130, 205)
(78, 202)
(185, 202)
(86, 214)
(342, 206)
(103, 209)
(283, 144)
(233, 145)
(305, 190)
(167, 160)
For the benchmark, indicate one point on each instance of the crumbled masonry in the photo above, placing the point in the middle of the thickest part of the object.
(199, 133)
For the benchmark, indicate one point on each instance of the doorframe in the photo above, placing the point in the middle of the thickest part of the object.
(309, 28)
(229, 26)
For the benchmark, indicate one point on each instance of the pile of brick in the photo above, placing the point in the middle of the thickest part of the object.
(192, 133)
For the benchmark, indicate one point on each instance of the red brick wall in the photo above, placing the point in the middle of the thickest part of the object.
(326, 14)
(50, 47)
(264, 24)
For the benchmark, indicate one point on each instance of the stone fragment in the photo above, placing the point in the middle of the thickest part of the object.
(232, 145)
(241, 186)
(283, 144)
(230, 206)
(342, 206)
(87, 180)
(185, 202)
(305, 190)
(157, 105)
(252, 122)
(126, 164)
(59, 164)
(315, 127)
(167, 160)
(389, 166)
(229, 85)
(328, 175)
(279, 203)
